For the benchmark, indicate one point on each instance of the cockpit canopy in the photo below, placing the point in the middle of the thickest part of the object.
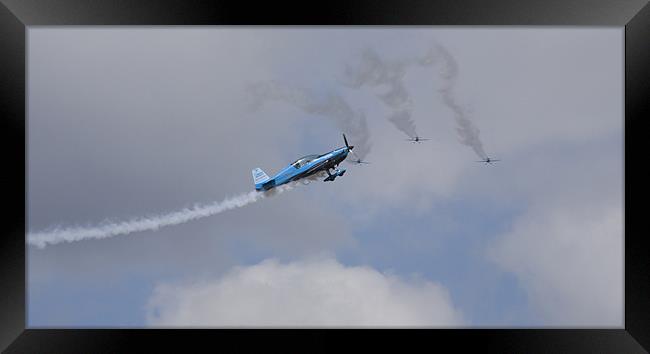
(304, 160)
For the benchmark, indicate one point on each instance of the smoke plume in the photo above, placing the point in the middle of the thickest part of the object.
(468, 134)
(110, 229)
(333, 106)
(374, 72)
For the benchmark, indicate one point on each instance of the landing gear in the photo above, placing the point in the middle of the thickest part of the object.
(330, 176)
(337, 173)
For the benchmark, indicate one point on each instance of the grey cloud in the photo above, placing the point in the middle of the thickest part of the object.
(121, 126)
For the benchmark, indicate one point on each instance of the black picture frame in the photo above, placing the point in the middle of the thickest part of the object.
(16, 15)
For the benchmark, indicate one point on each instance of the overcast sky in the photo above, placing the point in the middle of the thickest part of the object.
(127, 122)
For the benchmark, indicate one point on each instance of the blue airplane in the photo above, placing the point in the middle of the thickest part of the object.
(304, 167)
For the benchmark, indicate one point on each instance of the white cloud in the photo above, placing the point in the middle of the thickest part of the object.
(566, 248)
(569, 259)
(319, 292)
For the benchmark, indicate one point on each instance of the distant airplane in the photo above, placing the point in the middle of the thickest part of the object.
(359, 161)
(488, 160)
(417, 139)
(305, 167)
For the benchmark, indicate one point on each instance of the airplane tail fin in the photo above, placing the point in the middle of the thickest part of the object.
(259, 176)
(261, 179)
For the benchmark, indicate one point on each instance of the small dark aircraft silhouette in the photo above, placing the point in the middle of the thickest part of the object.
(417, 139)
(488, 160)
(359, 161)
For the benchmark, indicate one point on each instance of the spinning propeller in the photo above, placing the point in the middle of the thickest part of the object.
(350, 147)
(358, 160)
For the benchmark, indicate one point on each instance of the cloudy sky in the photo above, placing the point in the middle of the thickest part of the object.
(134, 122)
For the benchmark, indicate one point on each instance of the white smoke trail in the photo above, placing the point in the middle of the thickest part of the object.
(71, 234)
